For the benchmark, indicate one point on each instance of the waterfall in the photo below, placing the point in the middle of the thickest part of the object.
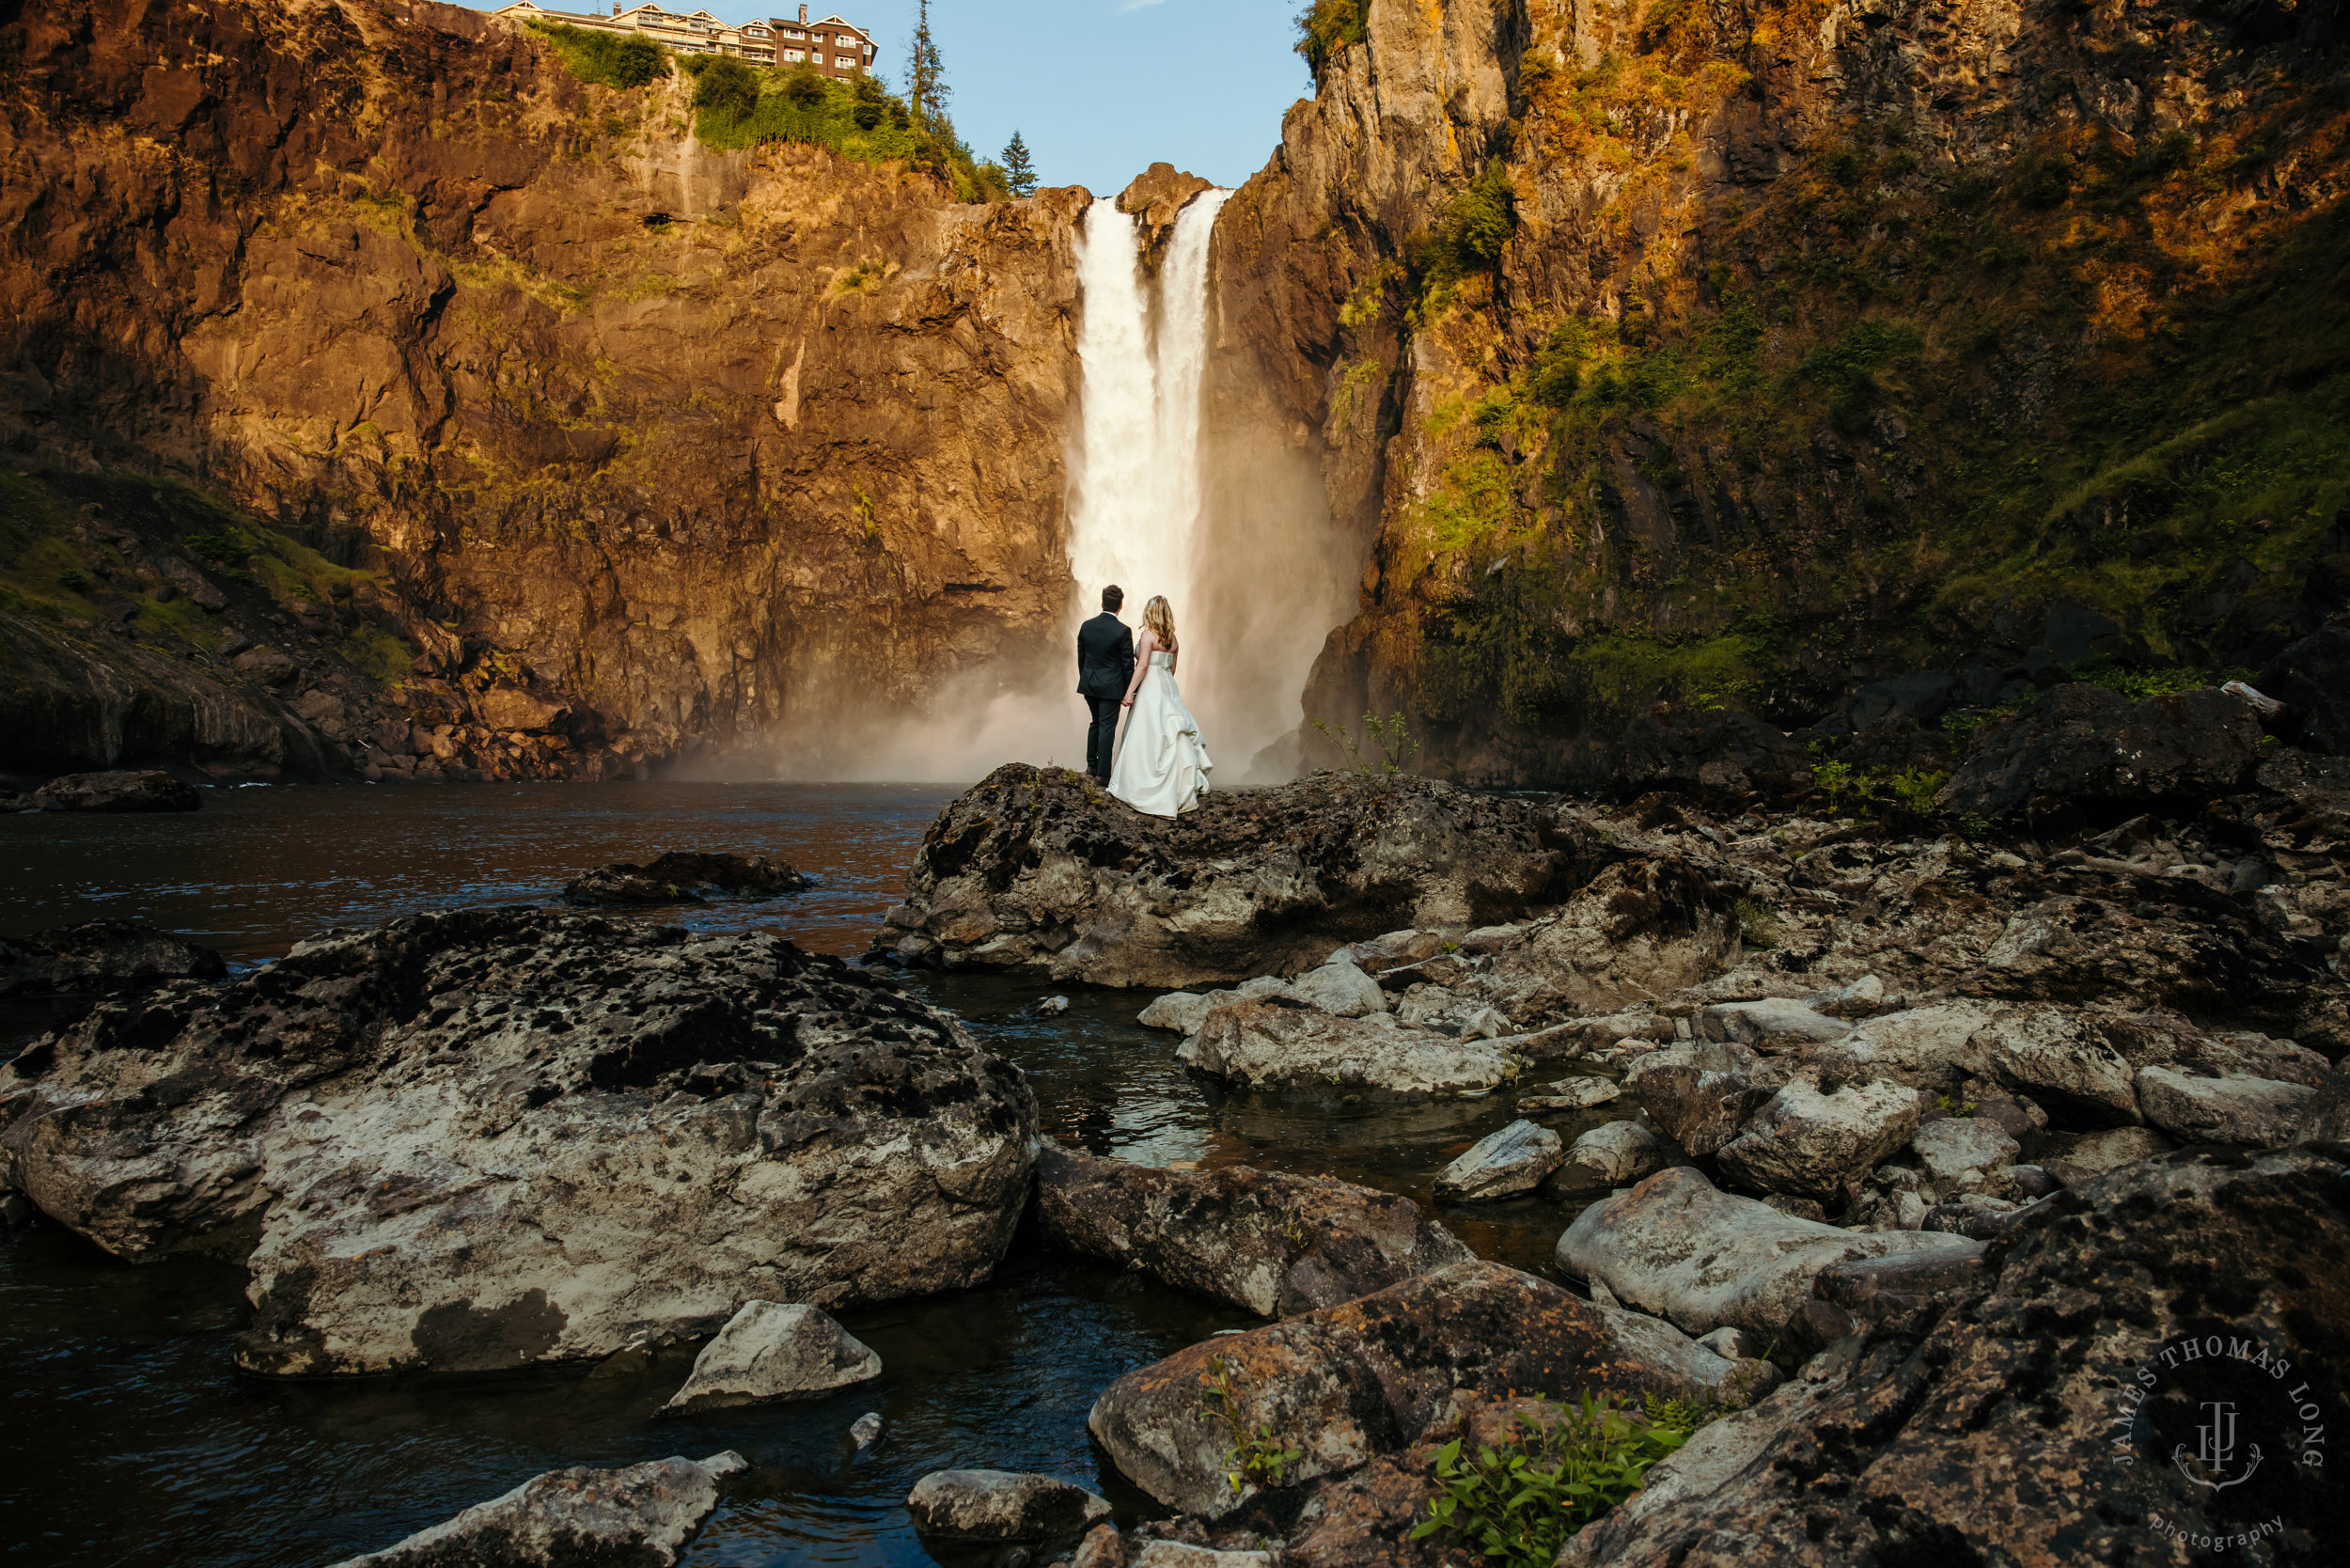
(1134, 477)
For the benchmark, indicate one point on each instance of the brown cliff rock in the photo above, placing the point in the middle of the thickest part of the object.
(719, 444)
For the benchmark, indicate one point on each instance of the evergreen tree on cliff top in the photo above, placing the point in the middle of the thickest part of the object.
(926, 75)
(1019, 173)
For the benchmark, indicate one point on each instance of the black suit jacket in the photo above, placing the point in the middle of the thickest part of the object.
(1106, 656)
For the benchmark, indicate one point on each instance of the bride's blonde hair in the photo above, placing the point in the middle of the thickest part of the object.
(1160, 617)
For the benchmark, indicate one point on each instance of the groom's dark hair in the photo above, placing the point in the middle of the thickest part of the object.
(1112, 597)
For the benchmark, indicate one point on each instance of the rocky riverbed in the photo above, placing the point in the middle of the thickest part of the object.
(1890, 1159)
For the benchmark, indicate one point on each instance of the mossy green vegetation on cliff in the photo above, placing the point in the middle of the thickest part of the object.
(1740, 392)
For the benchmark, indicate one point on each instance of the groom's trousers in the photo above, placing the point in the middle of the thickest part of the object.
(1102, 737)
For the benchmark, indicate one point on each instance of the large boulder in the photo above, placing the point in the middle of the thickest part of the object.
(774, 1350)
(1700, 1095)
(101, 956)
(1960, 1152)
(1271, 1044)
(1677, 1246)
(2081, 748)
(1351, 1382)
(491, 1137)
(1002, 1508)
(1504, 1164)
(2039, 1414)
(1613, 1156)
(638, 1517)
(1270, 1244)
(2224, 1107)
(1813, 1145)
(684, 877)
(1635, 933)
(123, 790)
(1038, 868)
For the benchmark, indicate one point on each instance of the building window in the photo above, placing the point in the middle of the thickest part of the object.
(843, 61)
(792, 55)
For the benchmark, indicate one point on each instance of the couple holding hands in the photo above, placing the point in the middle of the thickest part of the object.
(1161, 766)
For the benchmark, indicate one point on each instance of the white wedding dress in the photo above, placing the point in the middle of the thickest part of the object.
(1162, 768)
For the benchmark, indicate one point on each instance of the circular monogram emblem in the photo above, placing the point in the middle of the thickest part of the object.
(2239, 1435)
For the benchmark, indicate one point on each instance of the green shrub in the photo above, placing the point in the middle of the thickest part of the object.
(2138, 685)
(75, 580)
(1327, 27)
(1470, 231)
(2044, 180)
(1520, 1501)
(729, 87)
(1255, 1457)
(606, 59)
(804, 84)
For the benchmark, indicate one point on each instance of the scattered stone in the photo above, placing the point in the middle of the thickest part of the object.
(772, 1351)
(1580, 1093)
(1264, 1044)
(1182, 1554)
(1365, 1378)
(1502, 1165)
(485, 1138)
(865, 1430)
(1270, 1244)
(1613, 1156)
(1178, 1011)
(99, 957)
(2223, 1108)
(1340, 988)
(1676, 1246)
(1051, 1007)
(1771, 1018)
(642, 1514)
(2100, 1151)
(1808, 1144)
(2062, 1062)
(1733, 1344)
(1959, 1151)
(1927, 1047)
(1700, 1094)
(679, 877)
(1000, 1507)
(119, 790)
(1487, 1023)
(1860, 1000)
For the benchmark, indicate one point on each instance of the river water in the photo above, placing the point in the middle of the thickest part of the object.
(126, 1437)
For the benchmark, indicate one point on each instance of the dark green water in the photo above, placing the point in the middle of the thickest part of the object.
(125, 1438)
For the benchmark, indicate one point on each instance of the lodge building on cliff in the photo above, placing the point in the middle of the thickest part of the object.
(834, 47)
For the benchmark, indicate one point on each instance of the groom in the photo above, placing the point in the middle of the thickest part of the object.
(1106, 662)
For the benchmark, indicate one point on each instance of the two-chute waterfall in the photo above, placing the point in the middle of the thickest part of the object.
(1134, 478)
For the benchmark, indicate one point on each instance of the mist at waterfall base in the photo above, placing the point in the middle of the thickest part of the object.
(1257, 580)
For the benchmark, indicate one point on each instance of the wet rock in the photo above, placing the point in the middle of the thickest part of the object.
(1001, 1507)
(1178, 1011)
(118, 790)
(1810, 1144)
(679, 877)
(774, 1351)
(1265, 1045)
(101, 956)
(1571, 1094)
(2082, 748)
(1051, 1007)
(1960, 1152)
(574, 1519)
(485, 1138)
(1502, 1165)
(1272, 1244)
(1613, 1156)
(1348, 1382)
(866, 1430)
(1700, 1258)
(1699, 1095)
(2223, 1108)
(1031, 869)
(1911, 1435)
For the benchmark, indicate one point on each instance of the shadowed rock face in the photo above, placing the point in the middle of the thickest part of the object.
(1272, 1244)
(494, 1137)
(102, 955)
(1984, 1427)
(1038, 868)
(790, 457)
(686, 877)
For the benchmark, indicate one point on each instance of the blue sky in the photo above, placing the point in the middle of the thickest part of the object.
(1100, 88)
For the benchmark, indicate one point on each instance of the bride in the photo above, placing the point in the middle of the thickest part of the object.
(1162, 766)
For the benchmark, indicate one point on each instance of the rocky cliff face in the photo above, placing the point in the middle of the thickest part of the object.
(1739, 355)
(602, 445)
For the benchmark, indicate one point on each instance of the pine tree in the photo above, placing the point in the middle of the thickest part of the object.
(1019, 173)
(926, 75)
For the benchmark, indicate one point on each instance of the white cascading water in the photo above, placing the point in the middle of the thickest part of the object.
(1135, 478)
